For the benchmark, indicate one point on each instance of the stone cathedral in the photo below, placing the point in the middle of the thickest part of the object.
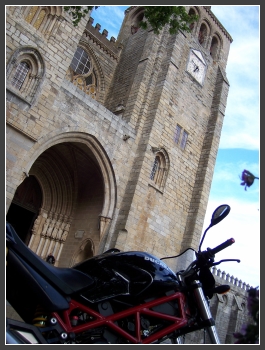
(111, 143)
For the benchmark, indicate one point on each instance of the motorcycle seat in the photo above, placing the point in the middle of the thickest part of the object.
(67, 280)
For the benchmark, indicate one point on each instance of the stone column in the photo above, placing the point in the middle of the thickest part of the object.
(43, 233)
(63, 239)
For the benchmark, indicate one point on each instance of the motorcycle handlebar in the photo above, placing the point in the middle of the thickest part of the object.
(222, 246)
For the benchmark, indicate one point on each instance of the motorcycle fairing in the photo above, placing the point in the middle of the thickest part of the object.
(127, 273)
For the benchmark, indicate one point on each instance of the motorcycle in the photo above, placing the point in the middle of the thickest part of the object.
(113, 298)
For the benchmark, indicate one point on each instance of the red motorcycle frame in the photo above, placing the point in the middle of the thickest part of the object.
(109, 321)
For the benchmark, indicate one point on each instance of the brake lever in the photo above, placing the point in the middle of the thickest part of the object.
(224, 260)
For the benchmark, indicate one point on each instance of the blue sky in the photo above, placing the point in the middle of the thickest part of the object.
(240, 139)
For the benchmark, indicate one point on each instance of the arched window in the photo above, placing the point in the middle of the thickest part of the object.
(155, 168)
(160, 168)
(202, 34)
(137, 18)
(192, 13)
(20, 75)
(82, 73)
(25, 74)
(214, 48)
(80, 63)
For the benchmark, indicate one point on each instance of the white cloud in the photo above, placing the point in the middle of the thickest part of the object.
(241, 123)
(243, 139)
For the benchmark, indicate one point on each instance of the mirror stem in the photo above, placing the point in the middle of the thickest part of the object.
(203, 238)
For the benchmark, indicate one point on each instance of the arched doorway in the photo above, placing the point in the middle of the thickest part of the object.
(85, 251)
(25, 207)
(78, 196)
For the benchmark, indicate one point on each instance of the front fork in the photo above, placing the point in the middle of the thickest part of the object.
(205, 312)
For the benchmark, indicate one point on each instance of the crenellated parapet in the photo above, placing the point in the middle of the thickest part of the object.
(222, 277)
(108, 46)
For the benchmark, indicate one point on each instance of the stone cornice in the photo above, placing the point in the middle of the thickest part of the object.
(208, 10)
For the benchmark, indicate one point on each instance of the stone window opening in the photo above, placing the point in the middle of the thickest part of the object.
(177, 133)
(25, 74)
(192, 13)
(181, 136)
(202, 34)
(82, 73)
(136, 20)
(214, 47)
(81, 62)
(159, 169)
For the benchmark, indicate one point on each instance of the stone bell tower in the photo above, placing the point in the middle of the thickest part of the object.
(173, 91)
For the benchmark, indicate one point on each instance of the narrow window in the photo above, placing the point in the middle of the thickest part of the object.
(31, 14)
(20, 75)
(192, 13)
(184, 139)
(202, 34)
(177, 133)
(39, 19)
(160, 169)
(214, 47)
(154, 169)
(136, 21)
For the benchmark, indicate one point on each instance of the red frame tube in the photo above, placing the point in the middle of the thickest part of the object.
(136, 311)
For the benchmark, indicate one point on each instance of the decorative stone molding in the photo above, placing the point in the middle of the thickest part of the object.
(104, 223)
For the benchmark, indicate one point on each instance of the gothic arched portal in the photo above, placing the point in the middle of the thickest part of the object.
(24, 207)
(78, 194)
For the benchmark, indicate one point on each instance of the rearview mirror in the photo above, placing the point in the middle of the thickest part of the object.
(219, 214)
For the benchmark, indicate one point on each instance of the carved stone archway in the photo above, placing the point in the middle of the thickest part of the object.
(78, 195)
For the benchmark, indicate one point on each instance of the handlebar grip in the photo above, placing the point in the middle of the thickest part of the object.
(222, 246)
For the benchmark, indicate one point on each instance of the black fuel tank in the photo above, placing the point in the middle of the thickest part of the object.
(127, 273)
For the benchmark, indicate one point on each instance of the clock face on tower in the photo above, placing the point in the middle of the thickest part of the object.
(196, 66)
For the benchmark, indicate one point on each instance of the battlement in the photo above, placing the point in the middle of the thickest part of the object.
(222, 276)
(108, 46)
